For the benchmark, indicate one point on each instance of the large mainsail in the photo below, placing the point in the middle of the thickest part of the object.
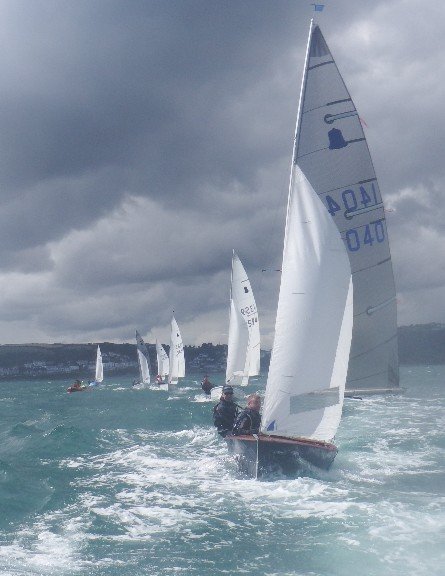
(243, 353)
(99, 373)
(333, 154)
(143, 359)
(163, 361)
(307, 374)
(176, 355)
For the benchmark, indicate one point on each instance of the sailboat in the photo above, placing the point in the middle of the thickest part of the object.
(176, 356)
(243, 346)
(314, 324)
(332, 152)
(99, 371)
(163, 362)
(143, 361)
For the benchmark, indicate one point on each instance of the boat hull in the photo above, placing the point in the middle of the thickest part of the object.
(257, 456)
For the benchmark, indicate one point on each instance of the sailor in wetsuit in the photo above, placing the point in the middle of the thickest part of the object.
(249, 421)
(225, 412)
(206, 385)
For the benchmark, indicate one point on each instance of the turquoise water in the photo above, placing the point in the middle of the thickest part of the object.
(131, 482)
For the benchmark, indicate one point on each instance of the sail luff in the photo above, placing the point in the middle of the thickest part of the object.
(300, 100)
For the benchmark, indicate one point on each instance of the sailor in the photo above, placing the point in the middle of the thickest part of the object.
(249, 421)
(76, 387)
(225, 412)
(206, 385)
(158, 379)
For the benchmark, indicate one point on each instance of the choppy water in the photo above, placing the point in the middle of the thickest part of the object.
(132, 482)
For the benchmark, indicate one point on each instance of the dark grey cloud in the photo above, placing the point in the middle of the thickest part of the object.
(141, 141)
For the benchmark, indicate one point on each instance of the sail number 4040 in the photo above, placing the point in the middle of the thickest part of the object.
(355, 238)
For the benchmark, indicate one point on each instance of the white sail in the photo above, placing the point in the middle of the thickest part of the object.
(143, 359)
(243, 348)
(176, 355)
(332, 152)
(163, 360)
(99, 375)
(305, 386)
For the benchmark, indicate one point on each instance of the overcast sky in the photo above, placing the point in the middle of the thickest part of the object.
(142, 140)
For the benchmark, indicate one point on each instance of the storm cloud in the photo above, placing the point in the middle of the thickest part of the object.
(141, 141)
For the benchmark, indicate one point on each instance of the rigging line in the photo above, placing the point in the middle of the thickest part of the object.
(272, 257)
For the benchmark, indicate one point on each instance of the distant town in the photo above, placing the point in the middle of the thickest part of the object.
(418, 344)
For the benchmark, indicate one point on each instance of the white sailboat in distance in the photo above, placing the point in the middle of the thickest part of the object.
(143, 361)
(99, 370)
(243, 345)
(176, 355)
(163, 362)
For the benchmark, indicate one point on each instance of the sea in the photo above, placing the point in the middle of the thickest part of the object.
(124, 481)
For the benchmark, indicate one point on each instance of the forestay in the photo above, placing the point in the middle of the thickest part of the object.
(143, 359)
(305, 386)
(332, 152)
(243, 354)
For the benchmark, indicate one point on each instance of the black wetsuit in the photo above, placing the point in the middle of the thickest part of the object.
(206, 385)
(248, 422)
(224, 414)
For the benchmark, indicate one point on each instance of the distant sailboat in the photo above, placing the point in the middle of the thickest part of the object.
(163, 361)
(99, 371)
(176, 355)
(243, 346)
(143, 361)
(313, 331)
(332, 152)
